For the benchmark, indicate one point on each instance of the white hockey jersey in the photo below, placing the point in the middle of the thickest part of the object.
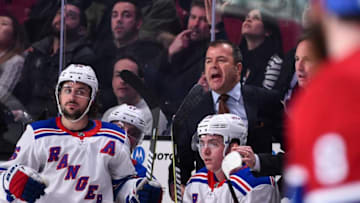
(203, 187)
(78, 166)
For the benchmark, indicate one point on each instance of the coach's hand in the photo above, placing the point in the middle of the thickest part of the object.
(247, 154)
(23, 183)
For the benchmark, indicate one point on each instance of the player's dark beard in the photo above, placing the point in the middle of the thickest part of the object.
(72, 116)
(71, 34)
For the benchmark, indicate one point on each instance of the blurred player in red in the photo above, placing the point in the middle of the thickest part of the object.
(324, 157)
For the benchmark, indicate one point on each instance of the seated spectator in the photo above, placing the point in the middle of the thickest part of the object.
(305, 60)
(186, 57)
(125, 94)
(217, 135)
(35, 90)
(288, 81)
(261, 46)
(11, 60)
(126, 20)
(158, 16)
(11, 65)
(307, 57)
(40, 14)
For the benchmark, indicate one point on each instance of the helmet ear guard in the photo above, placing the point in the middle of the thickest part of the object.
(229, 126)
(78, 73)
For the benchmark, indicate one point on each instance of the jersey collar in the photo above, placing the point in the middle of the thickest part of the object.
(213, 182)
(81, 135)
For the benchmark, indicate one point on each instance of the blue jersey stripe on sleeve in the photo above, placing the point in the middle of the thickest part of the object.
(111, 136)
(198, 180)
(238, 188)
(50, 134)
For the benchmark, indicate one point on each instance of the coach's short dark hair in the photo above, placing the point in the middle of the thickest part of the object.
(236, 50)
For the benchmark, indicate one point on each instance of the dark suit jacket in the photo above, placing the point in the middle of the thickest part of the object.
(270, 165)
(260, 105)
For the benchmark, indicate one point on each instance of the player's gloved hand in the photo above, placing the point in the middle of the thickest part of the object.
(24, 183)
(150, 192)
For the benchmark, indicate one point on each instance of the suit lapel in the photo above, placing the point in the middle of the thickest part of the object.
(206, 107)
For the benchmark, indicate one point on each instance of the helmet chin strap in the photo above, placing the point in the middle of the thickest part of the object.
(82, 115)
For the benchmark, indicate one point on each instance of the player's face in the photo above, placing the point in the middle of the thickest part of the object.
(211, 149)
(198, 24)
(124, 23)
(304, 62)
(123, 91)
(253, 24)
(74, 99)
(220, 71)
(133, 133)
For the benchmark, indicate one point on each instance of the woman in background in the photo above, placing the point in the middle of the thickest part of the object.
(11, 64)
(11, 60)
(261, 46)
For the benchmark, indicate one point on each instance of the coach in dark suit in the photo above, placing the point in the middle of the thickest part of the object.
(256, 106)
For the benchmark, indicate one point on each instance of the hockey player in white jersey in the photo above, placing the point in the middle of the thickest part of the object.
(71, 158)
(132, 120)
(217, 134)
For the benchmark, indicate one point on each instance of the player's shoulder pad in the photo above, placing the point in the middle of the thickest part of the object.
(50, 123)
(46, 128)
(201, 176)
(244, 182)
(113, 131)
(245, 177)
